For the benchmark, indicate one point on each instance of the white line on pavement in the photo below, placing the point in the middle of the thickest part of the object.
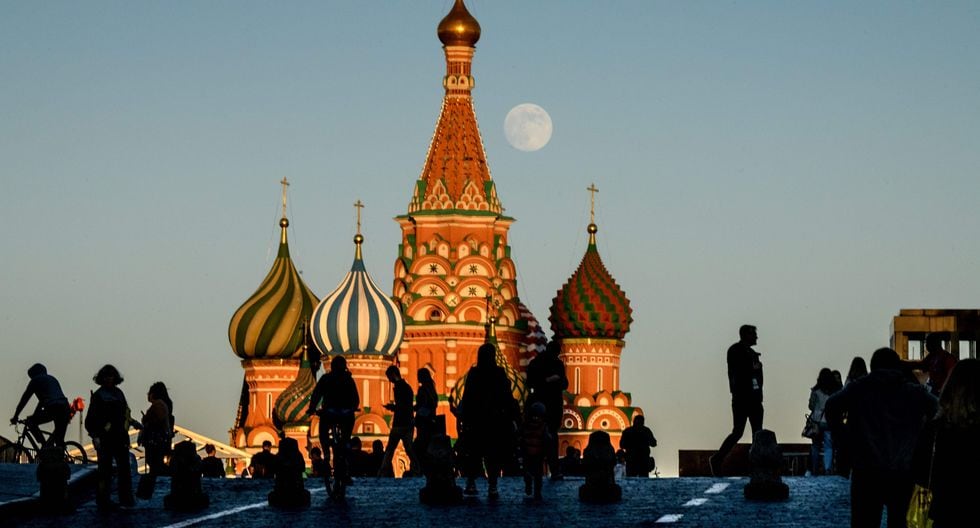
(225, 513)
(669, 518)
(696, 502)
(717, 488)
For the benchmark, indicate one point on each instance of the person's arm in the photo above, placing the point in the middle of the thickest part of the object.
(813, 400)
(315, 397)
(732, 369)
(28, 392)
(836, 406)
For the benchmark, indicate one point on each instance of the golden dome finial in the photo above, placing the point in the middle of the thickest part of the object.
(593, 229)
(358, 238)
(459, 28)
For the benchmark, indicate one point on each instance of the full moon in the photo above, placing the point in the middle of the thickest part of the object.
(527, 127)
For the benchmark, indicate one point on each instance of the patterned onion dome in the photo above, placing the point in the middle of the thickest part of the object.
(591, 304)
(291, 405)
(357, 318)
(459, 28)
(269, 324)
(535, 340)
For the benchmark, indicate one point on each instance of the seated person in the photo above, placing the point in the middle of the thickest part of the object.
(186, 494)
(319, 468)
(599, 462)
(211, 465)
(289, 490)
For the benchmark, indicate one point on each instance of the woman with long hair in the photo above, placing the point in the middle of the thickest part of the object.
(858, 369)
(826, 386)
(426, 400)
(946, 456)
(158, 426)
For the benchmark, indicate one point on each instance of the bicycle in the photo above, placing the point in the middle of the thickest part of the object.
(25, 449)
(336, 444)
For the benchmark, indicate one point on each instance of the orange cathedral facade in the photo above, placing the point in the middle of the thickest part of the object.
(453, 275)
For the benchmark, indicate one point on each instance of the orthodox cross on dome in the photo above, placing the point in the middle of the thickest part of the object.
(592, 227)
(285, 184)
(358, 205)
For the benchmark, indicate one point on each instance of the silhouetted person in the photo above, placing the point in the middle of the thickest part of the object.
(361, 464)
(186, 494)
(263, 464)
(338, 393)
(857, 370)
(599, 462)
(402, 423)
(211, 465)
(547, 382)
(637, 441)
(377, 455)
(426, 401)
(571, 463)
(488, 412)
(825, 387)
(885, 414)
(440, 476)
(946, 457)
(52, 406)
(319, 468)
(535, 439)
(745, 384)
(158, 428)
(107, 423)
(937, 364)
(289, 491)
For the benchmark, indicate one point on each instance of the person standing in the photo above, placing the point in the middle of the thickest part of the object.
(745, 384)
(158, 428)
(885, 414)
(52, 405)
(426, 401)
(211, 466)
(825, 387)
(488, 414)
(547, 382)
(108, 425)
(946, 456)
(637, 441)
(937, 364)
(402, 423)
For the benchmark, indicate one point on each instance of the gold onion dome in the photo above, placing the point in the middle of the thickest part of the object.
(459, 28)
(269, 325)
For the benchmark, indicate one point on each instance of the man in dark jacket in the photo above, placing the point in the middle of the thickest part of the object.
(885, 414)
(745, 384)
(402, 423)
(52, 406)
(547, 382)
(338, 392)
(637, 441)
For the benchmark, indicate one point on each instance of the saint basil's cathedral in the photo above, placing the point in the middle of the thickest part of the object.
(454, 288)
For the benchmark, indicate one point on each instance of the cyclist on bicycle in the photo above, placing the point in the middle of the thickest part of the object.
(52, 406)
(338, 392)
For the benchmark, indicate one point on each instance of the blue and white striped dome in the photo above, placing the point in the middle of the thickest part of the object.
(357, 318)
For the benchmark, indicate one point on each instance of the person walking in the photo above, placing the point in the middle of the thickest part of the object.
(637, 440)
(52, 406)
(108, 425)
(825, 387)
(488, 414)
(885, 414)
(402, 423)
(547, 382)
(426, 401)
(946, 456)
(745, 384)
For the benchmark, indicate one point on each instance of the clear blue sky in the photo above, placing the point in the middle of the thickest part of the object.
(807, 167)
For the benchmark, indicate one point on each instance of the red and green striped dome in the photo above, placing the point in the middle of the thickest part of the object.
(591, 304)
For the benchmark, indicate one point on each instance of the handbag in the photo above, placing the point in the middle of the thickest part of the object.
(811, 428)
(917, 515)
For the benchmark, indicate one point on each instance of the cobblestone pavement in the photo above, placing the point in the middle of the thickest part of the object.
(814, 502)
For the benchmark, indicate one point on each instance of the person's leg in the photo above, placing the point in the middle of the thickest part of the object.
(551, 448)
(756, 412)
(899, 494)
(828, 452)
(104, 470)
(393, 438)
(61, 418)
(866, 500)
(739, 416)
(815, 444)
(120, 455)
(414, 463)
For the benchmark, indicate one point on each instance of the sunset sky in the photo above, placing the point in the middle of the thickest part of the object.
(809, 168)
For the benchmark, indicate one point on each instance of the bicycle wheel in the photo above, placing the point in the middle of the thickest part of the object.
(15, 454)
(75, 453)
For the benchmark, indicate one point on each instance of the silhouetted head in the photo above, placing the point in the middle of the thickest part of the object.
(885, 358)
(355, 443)
(599, 439)
(288, 446)
(536, 409)
(108, 375)
(425, 376)
(858, 369)
(486, 356)
(826, 381)
(36, 370)
(158, 391)
(210, 449)
(393, 374)
(338, 364)
(748, 334)
(959, 403)
(639, 420)
(934, 342)
(553, 348)
(377, 447)
(316, 454)
(267, 446)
